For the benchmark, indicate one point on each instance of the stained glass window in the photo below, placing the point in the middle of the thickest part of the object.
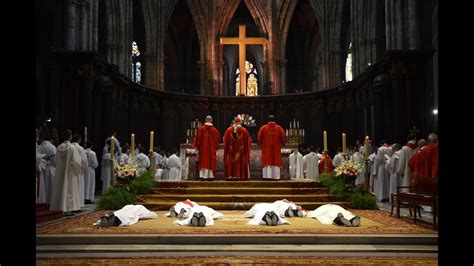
(136, 65)
(252, 81)
(349, 63)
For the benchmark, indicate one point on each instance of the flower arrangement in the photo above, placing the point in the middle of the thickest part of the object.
(125, 174)
(348, 168)
(246, 119)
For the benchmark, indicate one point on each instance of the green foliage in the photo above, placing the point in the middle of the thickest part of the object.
(363, 201)
(343, 186)
(115, 198)
(142, 184)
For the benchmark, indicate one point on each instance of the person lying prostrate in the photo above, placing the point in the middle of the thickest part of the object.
(200, 216)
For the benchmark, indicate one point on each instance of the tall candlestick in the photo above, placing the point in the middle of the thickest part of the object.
(298, 124)
(367, 147)
(112, 157)
(287, 133)
(85, 134)
(325, 139)
(132, 148)
(343, 143)
(151, 141)
(302, 132)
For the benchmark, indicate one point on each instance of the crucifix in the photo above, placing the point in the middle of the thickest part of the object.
(242, 41)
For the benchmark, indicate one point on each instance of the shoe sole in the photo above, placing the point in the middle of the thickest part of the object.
(274, 220)
(345, 221)
(195, 220)
(290, 212)
(172, 213)
(356, 221)
(202, 221)
(267, 219)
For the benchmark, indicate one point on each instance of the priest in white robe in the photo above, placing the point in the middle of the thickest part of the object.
(128, 215)
(372, 171)
(174, 164)
(382, 178)
(310, 165)
(40, 186)
(65, 191)
(181, 208)
(326, 214)
(296, 165)
(118, 149)
(337, 160)
(143, 161)
(391, 165)
(405, 154)
(123, 158)
(105, 174)
(287, 208)
(49, 150)
(89, 176)
(358, 157)
(209, 214)
(76, 141)
(164, 167)
(258, 211)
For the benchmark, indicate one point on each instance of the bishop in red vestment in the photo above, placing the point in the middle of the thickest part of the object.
(271, 136)
(237, 143)
(325, 164)
(206, 142)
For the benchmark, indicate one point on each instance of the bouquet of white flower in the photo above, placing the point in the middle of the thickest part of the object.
(125, 174)
(348, 168)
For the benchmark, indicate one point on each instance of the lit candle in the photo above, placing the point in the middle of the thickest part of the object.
(187, 133)
(298, 124)
(132, 149)
(303, 132)
(325, 138)
(367, 147)
(287, 132)
(151, 141)
(343, 143)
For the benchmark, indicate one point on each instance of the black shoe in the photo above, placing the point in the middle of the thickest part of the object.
(195, 219)
(343, 220)
(267, 218)
(274, 218)
(298, 212)
(289, 212)
(173, 212)
(355, 221)
(202, 220)
(181, 213)
(68, 214)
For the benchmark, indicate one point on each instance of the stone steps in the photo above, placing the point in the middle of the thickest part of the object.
(216, 205)
(239, 197)
(243, 184)
(241, 190)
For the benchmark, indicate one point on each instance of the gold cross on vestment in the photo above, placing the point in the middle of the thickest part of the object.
(242, 41)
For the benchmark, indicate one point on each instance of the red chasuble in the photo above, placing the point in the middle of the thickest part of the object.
(413, 163)
(237, 153)
(325, 162)
(271, 136)
(206, 142)
(428, 167)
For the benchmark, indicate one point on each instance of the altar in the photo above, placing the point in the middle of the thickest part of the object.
(189, 161)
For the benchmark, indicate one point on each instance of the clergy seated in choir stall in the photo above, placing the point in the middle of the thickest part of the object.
(237, 148)
(128, 215)
(325, 164)
(181, 209)
(334, 214)
(199, 216)
(206, 142)
(271, 137)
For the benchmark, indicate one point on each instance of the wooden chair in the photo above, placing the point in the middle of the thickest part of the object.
(393, 200)
(425, 192)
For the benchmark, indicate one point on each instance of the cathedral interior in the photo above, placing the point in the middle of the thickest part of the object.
(365, 67)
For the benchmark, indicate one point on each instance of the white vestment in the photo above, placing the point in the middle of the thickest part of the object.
(337, 160)
(187, 205)
(89, 176)
(40, 185)
(105, 172)
(123, 159)
(116, 146)
(209, 213)
(328, 212)
(65, 193)
(296, 165)
(403, 169)
(130, 214)
(164, 166)
(310, 165)
(372, 172)
(358, 157)
(174, 163)
(81, 178)
(48, 167)
(395, 179)
(382, 178)
(143, 163)
(258, 211)
(271, 172)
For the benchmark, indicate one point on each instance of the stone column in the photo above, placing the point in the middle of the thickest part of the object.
(203, 64)
(149, 60)
(84, 29)
(414, 29)
(95, 24)
(399, 24)
(70, 25)
(282, 63)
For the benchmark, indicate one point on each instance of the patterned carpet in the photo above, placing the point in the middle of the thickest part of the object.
(242, 261)
(372, 222)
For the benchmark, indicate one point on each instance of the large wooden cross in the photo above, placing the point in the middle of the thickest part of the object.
(242, 41)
